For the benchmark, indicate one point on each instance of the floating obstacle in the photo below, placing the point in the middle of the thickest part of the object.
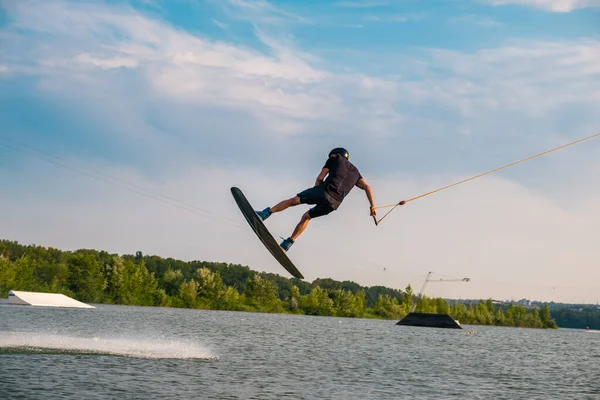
(38, 299)
(430, 320)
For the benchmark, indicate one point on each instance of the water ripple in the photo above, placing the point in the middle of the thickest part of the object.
(147, 353)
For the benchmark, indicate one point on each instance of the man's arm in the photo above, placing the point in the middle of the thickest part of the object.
(365, 186)
(321, 176)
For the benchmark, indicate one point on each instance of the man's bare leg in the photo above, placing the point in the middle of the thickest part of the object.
(301, 226)
(291, 202)
(282, 205)
(287, 243)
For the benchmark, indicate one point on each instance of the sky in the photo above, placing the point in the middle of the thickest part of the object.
(125, 123)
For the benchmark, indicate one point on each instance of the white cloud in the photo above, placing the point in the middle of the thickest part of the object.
(176, 63)
(284, 91)
(534, 78)
(270, 96)
(261, 11)
(220, 24)
(3, 68)
(106, 63)
(551, 5)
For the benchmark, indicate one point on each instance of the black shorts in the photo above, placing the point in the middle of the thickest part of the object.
(324, 204)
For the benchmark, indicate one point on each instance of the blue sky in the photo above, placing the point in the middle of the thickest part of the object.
(186, 98)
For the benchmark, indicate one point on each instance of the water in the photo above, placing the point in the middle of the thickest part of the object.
(159, 353)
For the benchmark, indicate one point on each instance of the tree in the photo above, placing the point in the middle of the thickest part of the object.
(387, 307)
(171, 281)
(262, 293)
(188, 292)
(346, 304)
(294, 299)
(17, 275)
(86, 278)
(132, 284)
(546, 319)
(52, 277)
(407, 299)
(210, 287)
(317, 302)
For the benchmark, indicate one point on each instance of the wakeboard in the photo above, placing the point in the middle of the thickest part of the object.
(263, 233)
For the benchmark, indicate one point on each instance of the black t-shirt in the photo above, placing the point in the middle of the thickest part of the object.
(342, 177)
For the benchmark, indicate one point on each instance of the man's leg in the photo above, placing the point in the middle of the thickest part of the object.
(282, 205)
(318, 211)
(291, 202)
(311, 195)
(287, 243)
(301, 226)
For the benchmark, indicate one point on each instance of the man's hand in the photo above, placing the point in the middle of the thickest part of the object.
(365, 186)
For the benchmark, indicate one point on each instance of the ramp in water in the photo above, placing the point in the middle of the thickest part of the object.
(16, 297)
(429, 320)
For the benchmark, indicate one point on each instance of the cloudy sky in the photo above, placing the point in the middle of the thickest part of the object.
(125, 123)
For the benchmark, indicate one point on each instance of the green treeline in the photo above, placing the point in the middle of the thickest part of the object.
(579, 318)
(99, 277)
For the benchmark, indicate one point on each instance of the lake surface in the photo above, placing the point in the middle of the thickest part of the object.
(120, 352)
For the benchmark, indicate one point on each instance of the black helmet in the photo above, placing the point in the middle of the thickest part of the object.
(341, 151)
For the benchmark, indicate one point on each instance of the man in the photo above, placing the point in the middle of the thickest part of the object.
(327, 194)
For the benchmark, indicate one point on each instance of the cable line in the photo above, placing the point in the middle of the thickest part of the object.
(403, 202)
